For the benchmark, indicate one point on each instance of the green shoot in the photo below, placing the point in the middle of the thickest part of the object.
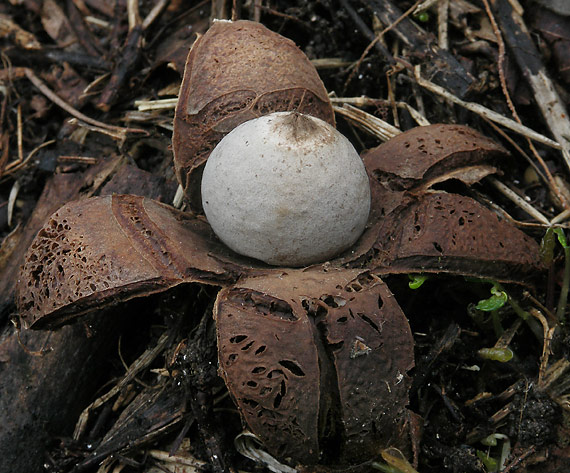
(385, 468)
(416, 280)
(496, 354)
(547, 247)
(395, 462)
(490, 463)
(492, 441)
(497, 300)
(560, 310)
(422, 17)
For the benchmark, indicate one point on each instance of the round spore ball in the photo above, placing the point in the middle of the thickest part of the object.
(287, 189)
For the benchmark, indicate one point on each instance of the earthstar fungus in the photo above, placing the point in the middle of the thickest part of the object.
(287, 189)
(316, 358)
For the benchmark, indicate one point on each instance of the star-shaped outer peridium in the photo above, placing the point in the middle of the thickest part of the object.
(317, 358)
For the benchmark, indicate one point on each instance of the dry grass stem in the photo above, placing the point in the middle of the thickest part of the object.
(160, 104)
(154, 13)
(12, 200)
(548, 334)
(363, 101)
(20, 134)
(367, 122)
(330, 63)
(248, 445)
(133, 13)
(504, 88)
(44, 89)
(138, 365)
(426, 5)
(485, 112)
(442, 23)
(17, 165)
(178, 459)
(519, 201)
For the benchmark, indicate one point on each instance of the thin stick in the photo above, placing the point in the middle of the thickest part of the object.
(20, 135)
(160, 104)
(562, 301)
(364, 101)
(133, 14)
(12, 200)
(523, 204)
(548, 333)
(257, 11)
(15, 165)
(484, 111)
(510, 104)
(374, 125)
(527, 56)
(424, 6)
(44, 89)
(154, 13)
(501, 61)
(515, 145)
(392, 98)
(442, 23)
(561, 217)
(147, 357)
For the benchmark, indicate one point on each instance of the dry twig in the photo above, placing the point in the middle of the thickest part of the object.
(528, 58)
(484, 112)
(44, 89)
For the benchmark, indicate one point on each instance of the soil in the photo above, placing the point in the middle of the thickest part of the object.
(471, 408)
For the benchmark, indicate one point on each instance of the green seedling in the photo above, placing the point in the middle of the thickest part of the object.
(385, 468)
(560, 310)
(547, 246)
(490, 463)
(395, 462)
(422, 17)
(496, 354)
(492, 441)
(497, 300)
(416, 280)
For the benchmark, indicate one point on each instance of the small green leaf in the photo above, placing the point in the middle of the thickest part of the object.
(496, 354)
(547, 247)
(498, 299)
(416, 280)
(490, 441)
(490, 463)
(385, 468)
(422, 17)
(561, 237)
